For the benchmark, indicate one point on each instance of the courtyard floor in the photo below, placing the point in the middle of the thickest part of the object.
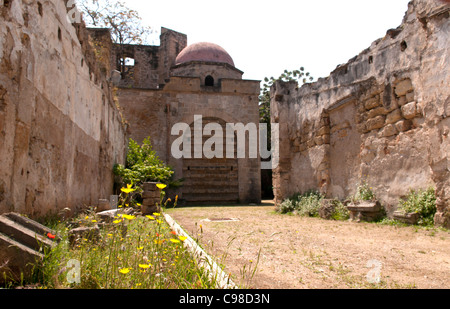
(312, 253)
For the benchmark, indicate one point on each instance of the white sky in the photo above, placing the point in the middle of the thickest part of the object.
(266, 37)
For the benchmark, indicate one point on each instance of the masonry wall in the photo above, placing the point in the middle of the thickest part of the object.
(153, 113)
(60, 131)
(151, 63)
(382, 118)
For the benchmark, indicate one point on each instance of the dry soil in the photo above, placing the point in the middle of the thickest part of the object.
(292, 252)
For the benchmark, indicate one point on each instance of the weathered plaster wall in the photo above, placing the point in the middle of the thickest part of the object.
(382, 117)
(60, 131)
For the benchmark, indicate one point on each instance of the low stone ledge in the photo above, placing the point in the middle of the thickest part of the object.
(365, 211)
(408, 218)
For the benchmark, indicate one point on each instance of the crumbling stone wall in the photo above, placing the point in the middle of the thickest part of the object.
(152, 64)
(60, 130)
(383, 117)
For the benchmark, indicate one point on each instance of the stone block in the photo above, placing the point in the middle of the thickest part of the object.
(409, 110)
(372, 103)
(403, 87)
(151, 194)
(377, 112)
(91, 234)
(408, 218)
(409, 97)
(23, 235)
(150, 210)
(403, 125)
(375, 123)
(323, 131)
(108, 215)
(103, 205)
(326, 209)
(365, 211)
(150, 201)
(29, 224)
(16, 260)
(149, 186)
(394, 116)
(388, 131)
(402, 101)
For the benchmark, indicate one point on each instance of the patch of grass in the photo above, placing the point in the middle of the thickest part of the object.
(149, 256)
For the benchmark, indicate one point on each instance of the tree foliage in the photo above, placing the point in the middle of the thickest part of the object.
(125, 24)
(300, 76)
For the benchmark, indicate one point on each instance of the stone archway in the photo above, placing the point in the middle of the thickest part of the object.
(211, 180)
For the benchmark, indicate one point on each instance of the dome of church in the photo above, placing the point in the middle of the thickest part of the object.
(207, 52)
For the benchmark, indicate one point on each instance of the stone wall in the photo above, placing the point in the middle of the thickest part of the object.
(60, 130)
(382, 118)
(152, 64)
(153, 113)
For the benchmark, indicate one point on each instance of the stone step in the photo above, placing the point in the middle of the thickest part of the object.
(30, 224)
(211, 198)
(212, 191)
(27, 237)
(16, 260)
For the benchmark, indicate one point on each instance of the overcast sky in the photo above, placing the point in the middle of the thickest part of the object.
(266, 37)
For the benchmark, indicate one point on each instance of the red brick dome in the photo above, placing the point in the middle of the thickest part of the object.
(207, 52)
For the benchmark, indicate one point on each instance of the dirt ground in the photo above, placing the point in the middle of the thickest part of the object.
(292, 252)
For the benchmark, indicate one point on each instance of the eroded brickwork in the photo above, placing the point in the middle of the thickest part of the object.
(60, 130)
(383, 117)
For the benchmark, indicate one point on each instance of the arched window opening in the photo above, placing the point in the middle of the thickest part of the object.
(209, 81)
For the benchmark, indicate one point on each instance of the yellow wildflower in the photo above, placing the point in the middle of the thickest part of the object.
(124, 270)
(182, 238)
(175, 241)
(150, 217)
(161, 186)
(156, 214)
(128, 189)
(140, 248)
(145, 266)
(128, 217)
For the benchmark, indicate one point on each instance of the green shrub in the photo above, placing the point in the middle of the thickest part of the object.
(309, 204)
(306, 204)
(340, 211)
(363, 193)
(422, 202)
(287, 206)
(143, 165)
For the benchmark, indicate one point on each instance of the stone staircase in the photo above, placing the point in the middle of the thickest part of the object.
(23, 243)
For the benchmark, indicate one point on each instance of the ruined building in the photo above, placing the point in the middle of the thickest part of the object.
(170, 84)
(60, 130)
(382, 118)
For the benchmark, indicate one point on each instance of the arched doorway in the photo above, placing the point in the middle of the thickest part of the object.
(214, 180)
